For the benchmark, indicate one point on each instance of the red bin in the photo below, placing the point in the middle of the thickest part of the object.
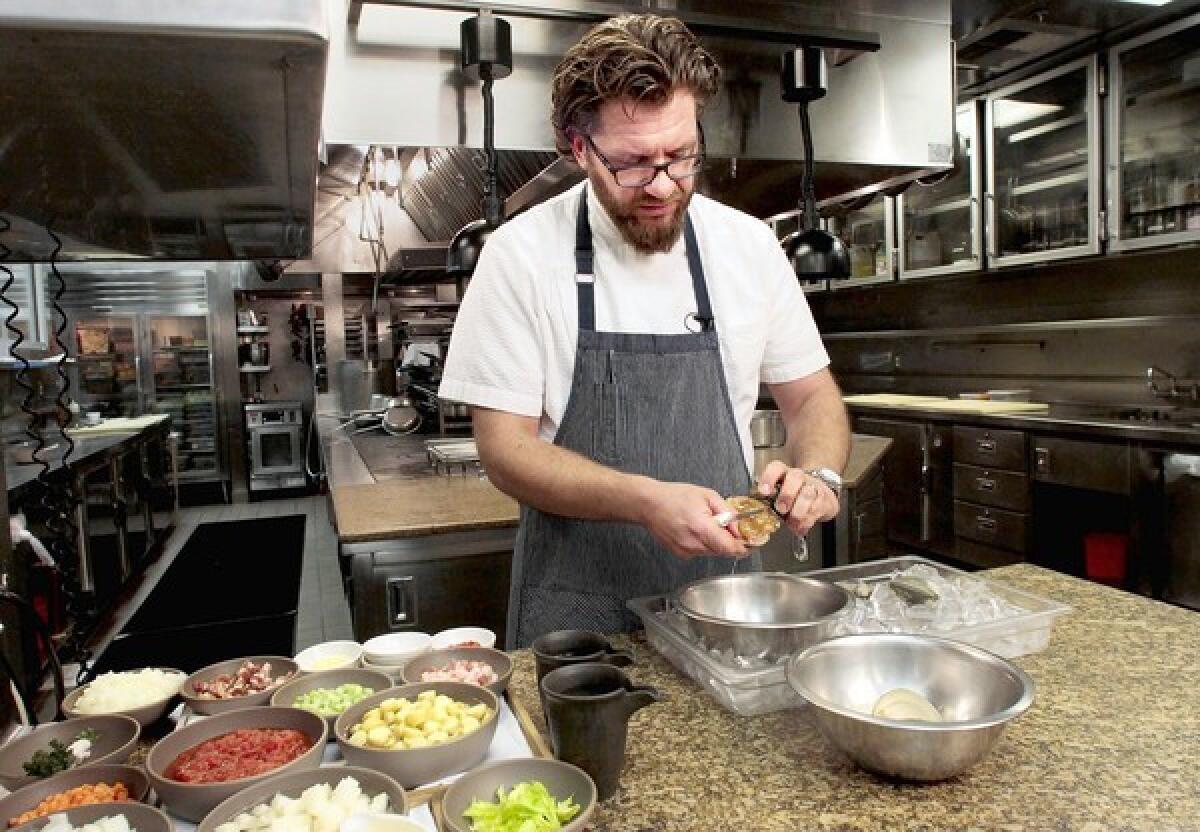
(1105, 555)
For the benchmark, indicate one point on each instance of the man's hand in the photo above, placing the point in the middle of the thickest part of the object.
(681, 517)
(804, 500)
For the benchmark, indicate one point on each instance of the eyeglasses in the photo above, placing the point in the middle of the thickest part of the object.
(639, 176)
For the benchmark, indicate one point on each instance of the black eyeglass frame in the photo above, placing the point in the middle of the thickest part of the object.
(664, 167)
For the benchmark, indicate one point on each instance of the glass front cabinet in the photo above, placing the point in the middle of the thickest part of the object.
(1154, 138)
(1043, 177)
(939, 221)
(866, 226)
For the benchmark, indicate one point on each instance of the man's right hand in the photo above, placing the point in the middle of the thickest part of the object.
(681, 518)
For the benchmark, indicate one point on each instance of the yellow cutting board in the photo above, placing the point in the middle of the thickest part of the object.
(985, 406)
(119, 424)
(945, 405)
(892, 399)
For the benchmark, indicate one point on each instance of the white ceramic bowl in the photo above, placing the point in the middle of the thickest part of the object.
(458, 635)
(395, 648)
(329, 655)
(394, 671)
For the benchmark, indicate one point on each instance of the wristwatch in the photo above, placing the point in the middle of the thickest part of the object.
(828, 476)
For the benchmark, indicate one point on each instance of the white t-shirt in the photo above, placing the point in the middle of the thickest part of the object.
(513, 347)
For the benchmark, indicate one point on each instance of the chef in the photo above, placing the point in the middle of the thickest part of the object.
(612, 342)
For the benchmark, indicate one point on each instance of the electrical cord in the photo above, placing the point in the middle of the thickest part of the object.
(27, 610)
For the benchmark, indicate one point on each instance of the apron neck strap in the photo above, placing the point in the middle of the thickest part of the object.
(585, 278)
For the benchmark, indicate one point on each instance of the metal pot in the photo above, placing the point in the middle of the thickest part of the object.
(761, 615)
(400, 417)
(767, 429)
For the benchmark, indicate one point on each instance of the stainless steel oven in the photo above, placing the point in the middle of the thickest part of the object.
(276, 445)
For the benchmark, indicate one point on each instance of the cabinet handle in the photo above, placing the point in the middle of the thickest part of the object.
(985, 484)
(985, 524)
(986, 446)
(401, 602)
(1041, 459)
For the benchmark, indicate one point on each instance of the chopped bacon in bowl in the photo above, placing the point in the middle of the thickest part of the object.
(463, 670)
(247, 679)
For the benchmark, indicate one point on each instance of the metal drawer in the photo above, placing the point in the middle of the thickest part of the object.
(990, 448)
(1098, 466)
(1004, 489)
(994, 526)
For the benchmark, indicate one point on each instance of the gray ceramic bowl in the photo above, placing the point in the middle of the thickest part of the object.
(373, 679)
(145, 715)
(561, 779)
(141, 817)
(23, 800)
(117, 737)
(292, 784)
(280, 665)
(418, 766)
(761, 615)
(192, 801)
(978, 694)
(434, 659)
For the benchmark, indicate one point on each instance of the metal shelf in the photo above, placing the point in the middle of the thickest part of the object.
(1052, 182)
(253, 330)
(1048, 127)
(255, 369)
(942, 208)
(1162, 93)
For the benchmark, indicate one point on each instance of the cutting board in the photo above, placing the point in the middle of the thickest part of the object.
(891, 399)
(945, 405)
(119, 424)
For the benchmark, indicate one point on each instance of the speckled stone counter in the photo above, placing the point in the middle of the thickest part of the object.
(1111, 743)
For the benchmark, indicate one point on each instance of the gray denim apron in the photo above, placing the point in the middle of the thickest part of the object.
(656, 405)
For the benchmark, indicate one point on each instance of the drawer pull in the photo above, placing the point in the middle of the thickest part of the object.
(985, 524)
(985, 484)
(986, 446)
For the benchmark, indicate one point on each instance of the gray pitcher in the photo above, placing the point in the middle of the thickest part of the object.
(587, 708)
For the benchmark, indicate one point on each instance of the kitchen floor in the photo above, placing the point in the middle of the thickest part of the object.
(323, 615)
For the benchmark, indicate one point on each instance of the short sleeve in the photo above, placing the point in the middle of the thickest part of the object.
(794, 348)
(495, 358)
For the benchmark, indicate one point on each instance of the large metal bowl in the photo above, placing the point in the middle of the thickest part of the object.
(977, 692)
(761, 615)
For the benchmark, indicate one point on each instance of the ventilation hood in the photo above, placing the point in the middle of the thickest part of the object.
(888, 118)
(165, 129)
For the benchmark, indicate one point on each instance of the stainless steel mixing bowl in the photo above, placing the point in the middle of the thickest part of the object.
(761, 615)
(977, 692)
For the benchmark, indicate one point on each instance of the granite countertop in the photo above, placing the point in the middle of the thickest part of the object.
(417, 507)
(1109, 744)
(385, 489)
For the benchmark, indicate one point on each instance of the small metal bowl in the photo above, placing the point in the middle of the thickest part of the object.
(761, 615)
(977, 692)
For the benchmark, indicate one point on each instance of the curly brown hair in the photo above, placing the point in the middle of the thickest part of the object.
(642, 57)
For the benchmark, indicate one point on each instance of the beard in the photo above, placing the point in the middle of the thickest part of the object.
(645, 237)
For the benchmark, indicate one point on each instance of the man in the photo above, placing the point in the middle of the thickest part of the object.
(612, 342)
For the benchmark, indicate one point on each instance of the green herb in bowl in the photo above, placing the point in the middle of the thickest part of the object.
(527, 807)
(59, 756)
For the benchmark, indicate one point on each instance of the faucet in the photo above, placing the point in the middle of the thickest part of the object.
(1171, 387)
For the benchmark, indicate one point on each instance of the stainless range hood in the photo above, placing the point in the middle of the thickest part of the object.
(888, 117)
(166, 129)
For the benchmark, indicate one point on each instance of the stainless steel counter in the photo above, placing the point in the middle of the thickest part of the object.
(1178, 429)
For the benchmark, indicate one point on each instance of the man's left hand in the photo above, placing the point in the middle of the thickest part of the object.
(803, 499)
